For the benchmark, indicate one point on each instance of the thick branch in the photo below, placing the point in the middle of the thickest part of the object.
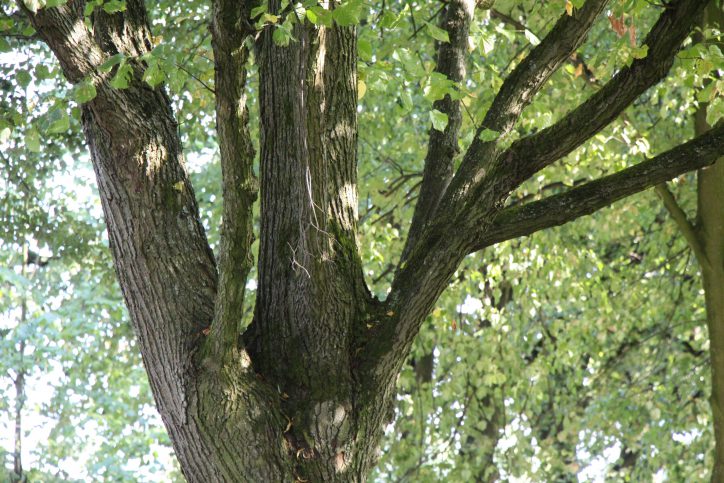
(520, 87)
(590, 197)
(230, 27)
(442, 146)
(531, 154)
(62, 28)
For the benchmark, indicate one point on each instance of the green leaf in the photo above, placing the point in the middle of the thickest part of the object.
(439, 120)
(318, 15)
(348, 13)
(282, 36)
(114, 6)
(487, 135)
(640, 52)
(111, 62)
(256, 11)
(32, 140)
(5, 134)
(437, 33)
(123, 76)
(312, 16)
(153, 75)
(58, 121)
(364, 48)
(578, 3)
(23, 78)
(84, 91)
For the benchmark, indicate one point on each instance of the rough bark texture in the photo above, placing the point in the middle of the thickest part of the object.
(306, 392)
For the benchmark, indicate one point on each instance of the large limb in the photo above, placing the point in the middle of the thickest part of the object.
(442, 146)
(165, 267)
(230, 28)
(519, 89)
(583, 200)
(434, 254)
(533, 153)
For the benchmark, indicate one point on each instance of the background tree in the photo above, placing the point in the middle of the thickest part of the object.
(314, 319)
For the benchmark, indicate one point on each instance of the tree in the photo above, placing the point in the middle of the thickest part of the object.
(305, 392)
(706, 238)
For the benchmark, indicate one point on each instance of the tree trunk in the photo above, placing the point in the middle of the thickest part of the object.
(710, 227)
(710, 231)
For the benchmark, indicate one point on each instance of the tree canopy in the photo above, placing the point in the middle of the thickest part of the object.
(402, 302)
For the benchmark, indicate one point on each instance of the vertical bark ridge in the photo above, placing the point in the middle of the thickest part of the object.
(230, 29)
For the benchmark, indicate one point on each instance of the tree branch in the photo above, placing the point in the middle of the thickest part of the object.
(442, 146)
(519, 89)
(573, 59)
(531, 154)
(559, 209)
(230, 27)
(682, 221)
(62, 28)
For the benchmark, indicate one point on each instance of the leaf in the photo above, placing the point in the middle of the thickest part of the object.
(179, 186)
(111, 62)
(348, 14)
(569, 8)
(361, 89)
(487, 43)
(439, 120)
(530, 36)
(487, 135)
(34, 5)
(640, 52)
(123, 76)
(632, 35)
(32, 140)
(256, 11)
(281, 36)
(5, 134)
(269, 18)
(23, 78)
(114, 6)
(364, 49)
(437, 33)
(153, 75)
(618, 25)
(311, 16)
(84, 91)
(58, 121)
